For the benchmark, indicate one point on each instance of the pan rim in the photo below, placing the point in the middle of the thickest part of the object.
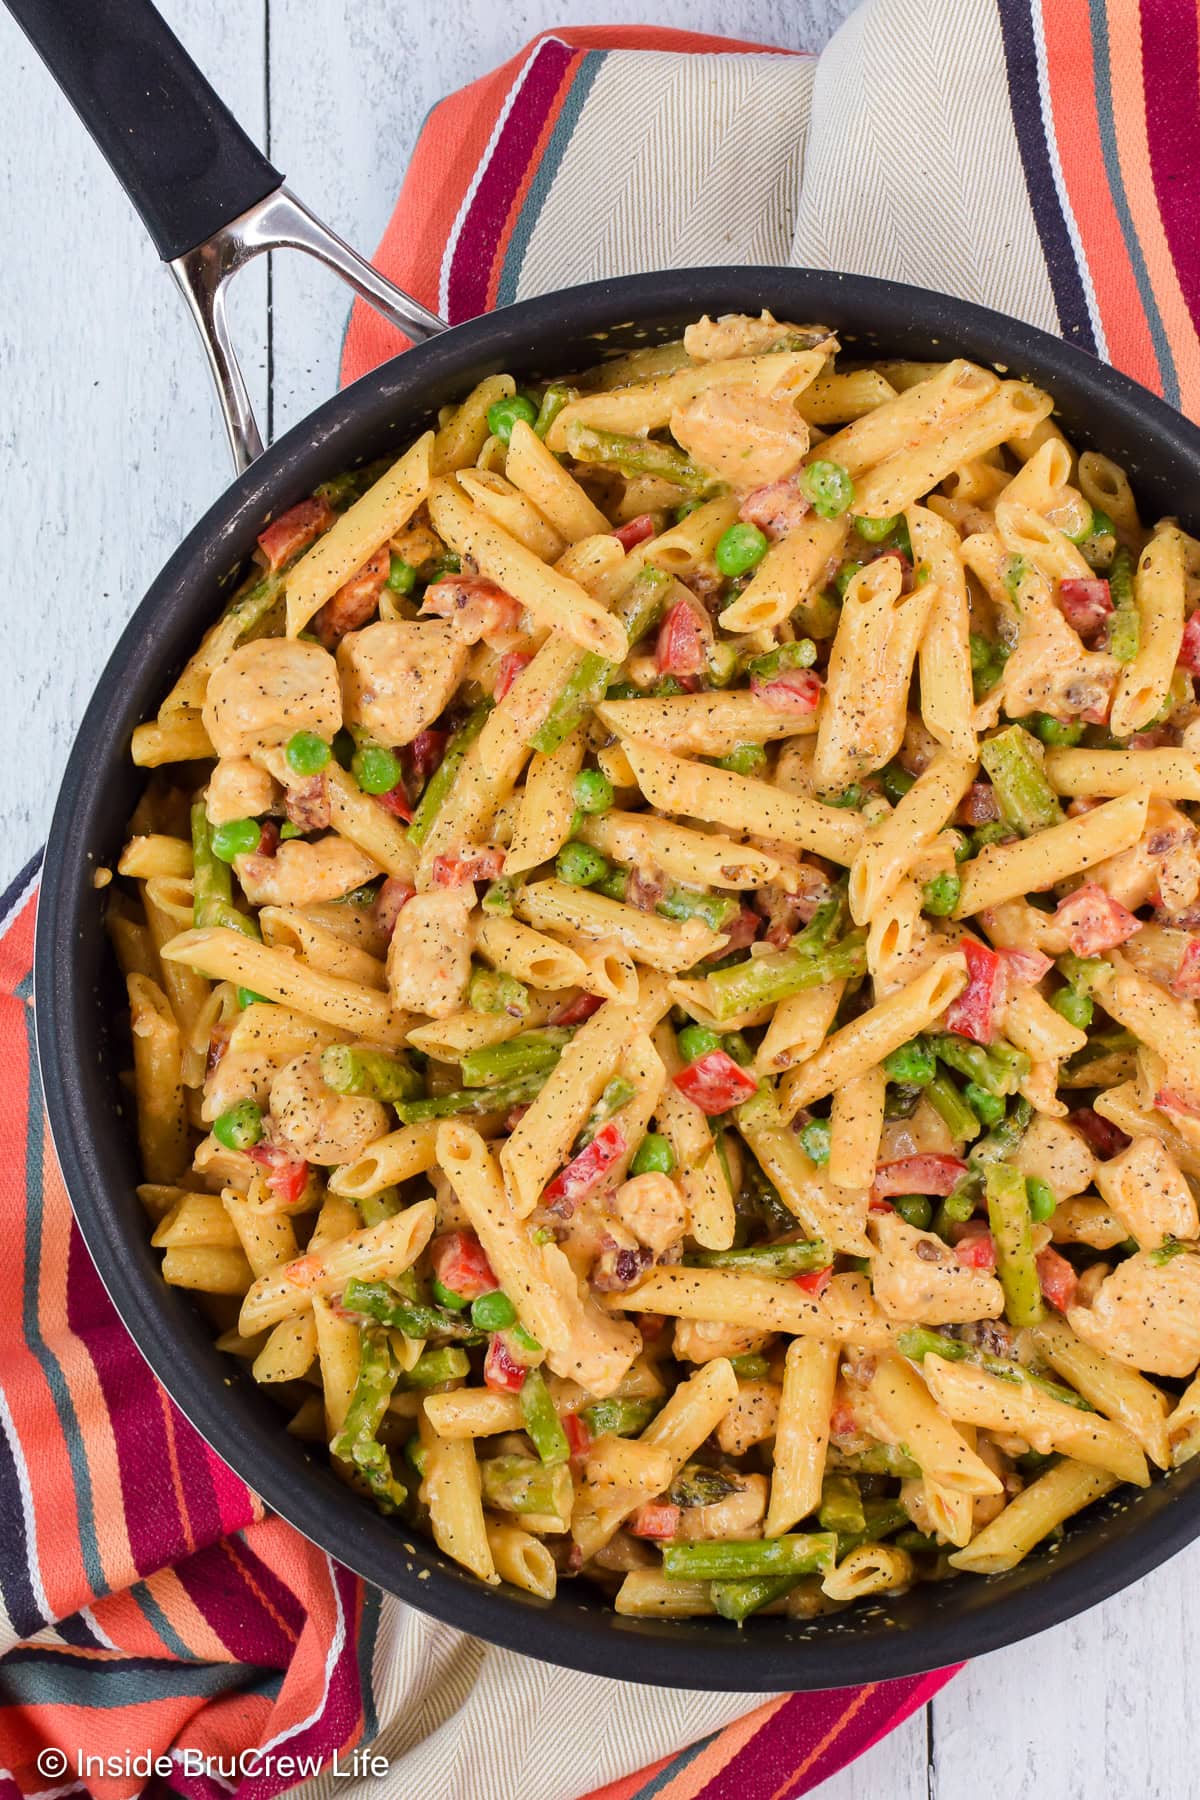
(566, 1632)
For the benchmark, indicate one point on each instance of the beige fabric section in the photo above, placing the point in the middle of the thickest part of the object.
(730, 130)
(463, 1721)
(927, 188)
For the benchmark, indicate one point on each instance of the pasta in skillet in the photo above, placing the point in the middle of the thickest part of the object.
(662, 944)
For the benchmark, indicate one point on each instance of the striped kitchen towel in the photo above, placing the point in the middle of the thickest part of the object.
(153, 1620)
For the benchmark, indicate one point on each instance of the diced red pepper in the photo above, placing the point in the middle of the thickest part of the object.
(293, 531)
(651, 1326)
(1059, 1280)
(500, 1372)
(842, 1422)
(1105, 1138)
(792, 690)
(776, 508)
(354, 601)
(714, 1083)
(393, 894)
(461, 1265)
(741, 931)
(815, 1281)
(575, 1012)
(585, 1172)
(396, 802)
(1025, 968)
(636, 531)
(1085, 604)
(979, 805)
(577, 1435)
(510, 667)
(1189, 649)
(514, 1115)
(682, 641)
(654, 1519)
(286, 1175)
(424, 754)
(973, 1014)
(474, 607)
(976, 1250)
(1176, 1100)
(1094, 920)
(1186, 980)
(929, 1173)
(474, 865)
(268, 842)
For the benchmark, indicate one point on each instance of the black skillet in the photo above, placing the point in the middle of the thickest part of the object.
(209, 200)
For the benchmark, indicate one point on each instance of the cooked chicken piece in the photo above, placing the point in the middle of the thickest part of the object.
(654, 1210)
(751, 1419)
(303, 874)
(737, 334)
(745, 437)
(398, 675)
(1162, 864)
(268, 690)
(237, 789)
(739, 1515)
(429, 957)
(918, 1277)
(1058, 1155)
(1149, 1193)
(319, 1125)
(1147, 1313)
(1051, 672)
(699, 1340)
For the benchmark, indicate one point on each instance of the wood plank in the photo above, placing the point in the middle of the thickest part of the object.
(113, 440)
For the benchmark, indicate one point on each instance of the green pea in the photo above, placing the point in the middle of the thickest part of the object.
(896, 781)
(913, 1064)
(592, 791)
(697, 1040)
(1076, 1008)
(306, 753)
(1056, 731)
(961, 844)
(735, 1045)
(525, 1340)
(239, 837)
(815, 1140)
(828, 486)
(914, 1209)
(493, 1312)
(685, 510)
(846, 574)
(579, 865)
(740, 549)
(940, 896)
(447, 1297)
(744, 759)
(247, 997)
(987, 1107)
(402, 577)
(850, 798)
(1041, 1199)
(503, 415)
(240, 1127)
(654, 1156)
(873, 531)
(376, 769)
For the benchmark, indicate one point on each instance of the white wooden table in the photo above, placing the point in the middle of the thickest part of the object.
(113, 449)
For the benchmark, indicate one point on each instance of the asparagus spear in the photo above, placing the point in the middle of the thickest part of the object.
(541, 1419)
(521, 1484)
(472, 1100)
(736, 1600)
(413, 1317)
(351, 1069)
(357, 1442)
(442, 779)
(795, 1554)
(781, 1260)
(618, 1417)
(528, 1054)
(639, 456)
(1008, 1215)
(212, 883)
(764, 980)
(587, 683)
(1027, 801)
(1125, 625)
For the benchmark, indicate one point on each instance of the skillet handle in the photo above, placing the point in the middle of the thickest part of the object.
(172, 143)
(209, 198)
